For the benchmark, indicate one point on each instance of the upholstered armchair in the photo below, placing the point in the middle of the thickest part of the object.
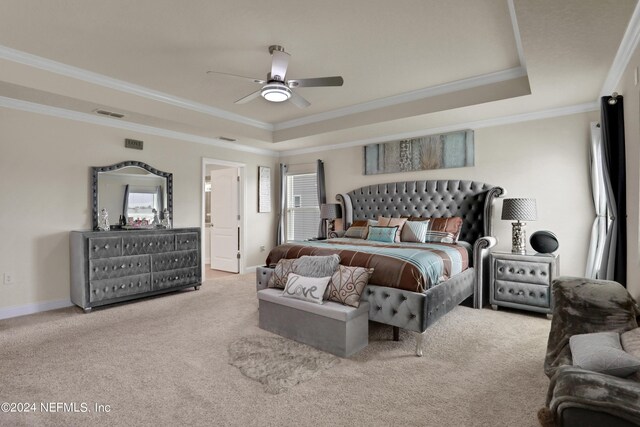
(580, 397)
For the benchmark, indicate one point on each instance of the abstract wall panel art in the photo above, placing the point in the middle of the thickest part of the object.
(447, 150)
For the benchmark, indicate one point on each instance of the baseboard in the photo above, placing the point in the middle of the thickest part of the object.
(251, 269)
(37, 307)
(207, 260)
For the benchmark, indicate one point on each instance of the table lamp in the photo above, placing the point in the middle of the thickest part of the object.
(519, 210)
(329, 212)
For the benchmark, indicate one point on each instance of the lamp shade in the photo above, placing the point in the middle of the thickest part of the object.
(519, 210)
(330, 211)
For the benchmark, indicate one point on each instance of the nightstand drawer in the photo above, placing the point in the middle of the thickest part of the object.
(522, 293)
(522, 271)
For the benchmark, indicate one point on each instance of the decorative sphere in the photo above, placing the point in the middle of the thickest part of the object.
(544, 242)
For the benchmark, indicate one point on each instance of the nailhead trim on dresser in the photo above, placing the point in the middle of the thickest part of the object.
(114, 266)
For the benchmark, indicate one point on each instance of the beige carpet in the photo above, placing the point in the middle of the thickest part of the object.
(165, 361)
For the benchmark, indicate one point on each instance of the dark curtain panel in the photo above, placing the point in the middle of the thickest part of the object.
(613, 140)
(282, 191)
(322, 197)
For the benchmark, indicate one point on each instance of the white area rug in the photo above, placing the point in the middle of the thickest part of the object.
(277, 362)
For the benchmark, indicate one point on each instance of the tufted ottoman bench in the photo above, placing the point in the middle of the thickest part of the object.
(335, 328)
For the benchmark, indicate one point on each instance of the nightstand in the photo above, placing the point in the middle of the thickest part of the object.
(523, 281)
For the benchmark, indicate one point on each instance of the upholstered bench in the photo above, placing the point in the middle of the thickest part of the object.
(332, 327)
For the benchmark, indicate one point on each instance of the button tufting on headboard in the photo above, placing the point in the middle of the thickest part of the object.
(470, 200)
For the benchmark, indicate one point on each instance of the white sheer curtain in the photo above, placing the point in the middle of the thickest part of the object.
(280, 232)
(602, 248)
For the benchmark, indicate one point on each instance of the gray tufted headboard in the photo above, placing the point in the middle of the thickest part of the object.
(470, 200)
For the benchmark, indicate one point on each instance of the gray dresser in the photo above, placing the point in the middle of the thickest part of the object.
(522, 281)
(114, 266)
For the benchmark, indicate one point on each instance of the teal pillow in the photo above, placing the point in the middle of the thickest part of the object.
(382, 234)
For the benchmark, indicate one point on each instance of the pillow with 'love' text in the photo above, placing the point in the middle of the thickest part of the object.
(309, 289)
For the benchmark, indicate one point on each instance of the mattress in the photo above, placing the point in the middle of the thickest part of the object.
(413, 267)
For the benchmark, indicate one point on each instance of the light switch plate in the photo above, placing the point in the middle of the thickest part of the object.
(9, 278)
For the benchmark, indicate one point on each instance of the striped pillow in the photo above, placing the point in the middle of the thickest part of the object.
(414, 231)
(442, 230)
(359, 229)
(382, 234)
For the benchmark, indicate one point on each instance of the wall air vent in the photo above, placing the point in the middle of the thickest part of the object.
(224, 138)
(109, 113)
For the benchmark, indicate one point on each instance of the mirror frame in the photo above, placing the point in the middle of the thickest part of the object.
(95, 170)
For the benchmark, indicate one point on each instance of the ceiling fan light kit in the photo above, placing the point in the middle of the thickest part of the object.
(275, 92)
(276, 88)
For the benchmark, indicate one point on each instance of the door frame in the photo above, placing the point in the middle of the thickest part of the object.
(241, 208)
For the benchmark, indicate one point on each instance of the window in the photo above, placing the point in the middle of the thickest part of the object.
(303, 212)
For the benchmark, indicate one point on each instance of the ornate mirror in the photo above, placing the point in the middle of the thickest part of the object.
(131, 189)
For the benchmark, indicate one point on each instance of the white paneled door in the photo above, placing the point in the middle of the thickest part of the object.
(225, 220)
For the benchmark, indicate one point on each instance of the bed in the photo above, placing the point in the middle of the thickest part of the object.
(402, 293)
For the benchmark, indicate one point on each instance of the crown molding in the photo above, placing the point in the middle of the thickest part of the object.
(498, 121)
(442, 89)
(516, 33)
(62, 113)
(122, 86)
(627, 46)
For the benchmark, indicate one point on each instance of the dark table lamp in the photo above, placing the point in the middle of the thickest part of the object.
(329, 212)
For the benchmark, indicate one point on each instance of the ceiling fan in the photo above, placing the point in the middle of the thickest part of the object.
(275, 88)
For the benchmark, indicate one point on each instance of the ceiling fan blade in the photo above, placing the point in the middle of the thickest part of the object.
(317, 81)
(240, 77)
(299, 101)
(249, 97)
(279, 64)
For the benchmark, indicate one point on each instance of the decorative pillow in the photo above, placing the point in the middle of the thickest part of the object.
(316, 266)
(347, 283)
(382, 234)
(451, 225)
(414, 231)
(392, 222)
(281, 273)
(359, 229)
(309, 289)
(602, 352)
(441, 230)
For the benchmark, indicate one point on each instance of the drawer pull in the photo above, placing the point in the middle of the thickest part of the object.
(123, 286)
(115, 287)
(176, 259)
(521, 293)
(106, 246)
(123, 266)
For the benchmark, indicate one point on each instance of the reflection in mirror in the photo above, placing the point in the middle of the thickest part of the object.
(133, 190)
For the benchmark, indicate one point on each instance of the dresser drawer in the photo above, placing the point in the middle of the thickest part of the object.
(148, 244)
(533, 272)
(104, 247)
(169, 279)
(185, 241)
(110, 268)
(174, 260)
(100, 290)
(521, 293)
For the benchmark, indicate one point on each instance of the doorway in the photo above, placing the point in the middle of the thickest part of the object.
(223, 218)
